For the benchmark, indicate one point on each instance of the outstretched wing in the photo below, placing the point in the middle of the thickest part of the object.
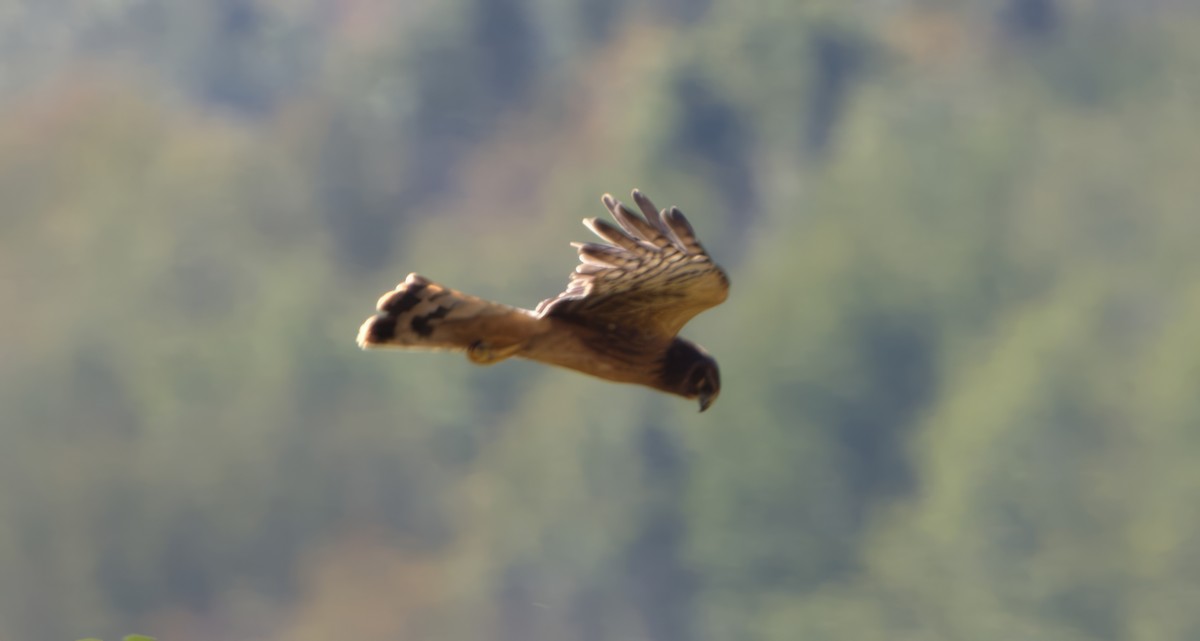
(654, 276)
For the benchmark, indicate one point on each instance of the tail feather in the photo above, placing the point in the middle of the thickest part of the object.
(420, 314)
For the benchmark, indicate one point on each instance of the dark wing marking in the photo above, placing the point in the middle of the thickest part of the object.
(655, 275)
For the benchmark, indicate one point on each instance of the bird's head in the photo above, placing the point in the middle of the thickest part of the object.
(688, 370)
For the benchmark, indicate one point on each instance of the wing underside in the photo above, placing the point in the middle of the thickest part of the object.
(654, 273)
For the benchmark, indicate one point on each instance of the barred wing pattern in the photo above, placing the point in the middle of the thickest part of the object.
(617, 320)
(655, 275)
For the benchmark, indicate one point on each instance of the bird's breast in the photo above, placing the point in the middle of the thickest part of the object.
(612, 355)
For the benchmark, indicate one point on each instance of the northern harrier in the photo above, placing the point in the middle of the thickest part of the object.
(617, 320)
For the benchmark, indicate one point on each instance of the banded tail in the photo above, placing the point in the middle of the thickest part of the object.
(420, 314)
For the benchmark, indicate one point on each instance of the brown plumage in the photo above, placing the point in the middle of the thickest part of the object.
(617, 319)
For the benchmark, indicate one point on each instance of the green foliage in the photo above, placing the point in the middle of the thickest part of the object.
(960, 356)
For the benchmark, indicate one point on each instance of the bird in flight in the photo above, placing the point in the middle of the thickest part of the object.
(617, 320)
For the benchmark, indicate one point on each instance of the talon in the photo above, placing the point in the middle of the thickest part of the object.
(479, 353)
(482, 353)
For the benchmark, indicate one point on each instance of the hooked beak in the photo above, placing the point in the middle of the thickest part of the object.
(706, 400)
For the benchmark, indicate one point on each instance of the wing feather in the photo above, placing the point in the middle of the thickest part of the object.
(633, 224)
(655, 275)
(603, 255)
(615, 235)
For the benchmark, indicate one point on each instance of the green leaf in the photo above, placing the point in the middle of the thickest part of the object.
(138, 637)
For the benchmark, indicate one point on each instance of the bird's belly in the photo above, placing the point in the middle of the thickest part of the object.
(605, 356)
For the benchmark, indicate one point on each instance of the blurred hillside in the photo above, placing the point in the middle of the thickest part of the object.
(960, 358)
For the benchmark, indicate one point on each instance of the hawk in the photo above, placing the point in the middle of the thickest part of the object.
(617, 320)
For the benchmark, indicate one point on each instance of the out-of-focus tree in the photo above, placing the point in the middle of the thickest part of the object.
(959, 355)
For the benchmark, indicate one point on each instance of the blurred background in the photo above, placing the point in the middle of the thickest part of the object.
(961, 354)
